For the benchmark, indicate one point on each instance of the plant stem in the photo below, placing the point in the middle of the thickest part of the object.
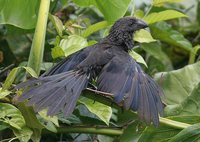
(103, 98)
(37, 48)
(193, 54)
(91, 130)
(174, 124)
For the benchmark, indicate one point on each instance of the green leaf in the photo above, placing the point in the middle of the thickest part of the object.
(164, 133)
(31, 71)
(193, 54)
(73, 44)
(31, 121)
(10, 79)
(24, 135)
(190, 106)
(137, 57)
(164, 32)
(11, 11)
(111, 9)
(104, 112)
(162, 2)
(155, 50)
(94, 28)
(143, 36)
(178, 84)
(131, 133)
(53, 119)
(162, 16)
(48, 121)
(56, 52)
(189, 134)
(4, 93)
(57, 24)
(3, 126)
(12, 75)
(198, 12)
(11, 115)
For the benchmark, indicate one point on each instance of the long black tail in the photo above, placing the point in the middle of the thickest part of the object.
(58, 92)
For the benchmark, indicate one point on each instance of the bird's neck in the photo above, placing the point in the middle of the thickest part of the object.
(122, 39)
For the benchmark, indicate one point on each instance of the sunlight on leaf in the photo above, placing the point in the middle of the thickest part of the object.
(57, 24)
(10, 78)
(137, 57)
(162, 16)
(162, 2)
(4, 93)
(104, 112)
(72, 44)
(143, 36)
(94, 28)
(11, 115)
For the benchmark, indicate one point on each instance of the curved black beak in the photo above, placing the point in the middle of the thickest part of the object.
(141, 24)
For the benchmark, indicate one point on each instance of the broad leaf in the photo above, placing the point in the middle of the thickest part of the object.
(178, 84)
(10, 79)
(111, 9)
(155, 50)
(57, 24)
(25, 10)
(190, 134)
(12, 75)
(24, 135)
(138, 57)
(56, 52)
(104, 112)
(31, 72)
(72, 44)
(190, 106)
(48, 121)
(11, 115)
(143, 36)
(94, 28)
(162, 2)
(164, 32)
(4, 93)
(162, 16)
(165, 133)
(131, 133)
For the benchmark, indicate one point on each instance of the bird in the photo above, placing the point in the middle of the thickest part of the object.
(109, 63)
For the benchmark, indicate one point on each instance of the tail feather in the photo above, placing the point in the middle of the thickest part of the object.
(57, 92)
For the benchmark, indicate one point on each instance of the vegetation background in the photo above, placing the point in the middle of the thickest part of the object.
(34, 34)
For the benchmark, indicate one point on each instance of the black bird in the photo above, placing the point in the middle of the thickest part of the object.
(116, 72)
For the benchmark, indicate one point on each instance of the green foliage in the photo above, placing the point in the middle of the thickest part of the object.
(111, 9)
(162, 16)
(11, 11)
(104, 112)
(164, 32)
(180, 79)
(167, 49)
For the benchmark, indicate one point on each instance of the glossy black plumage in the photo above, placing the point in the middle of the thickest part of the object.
(117, 72)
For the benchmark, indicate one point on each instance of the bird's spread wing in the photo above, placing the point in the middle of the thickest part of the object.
(69, 63)
(58, 92)
(124, 78)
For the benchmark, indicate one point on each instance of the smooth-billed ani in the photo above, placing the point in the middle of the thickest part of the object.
(116, 72)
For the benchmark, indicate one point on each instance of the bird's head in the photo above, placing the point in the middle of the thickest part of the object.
(128, 24)
(122, 31)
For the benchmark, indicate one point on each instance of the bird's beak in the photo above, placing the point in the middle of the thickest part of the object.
(141, 24)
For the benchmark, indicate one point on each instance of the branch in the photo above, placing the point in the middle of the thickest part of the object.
(92, 130)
